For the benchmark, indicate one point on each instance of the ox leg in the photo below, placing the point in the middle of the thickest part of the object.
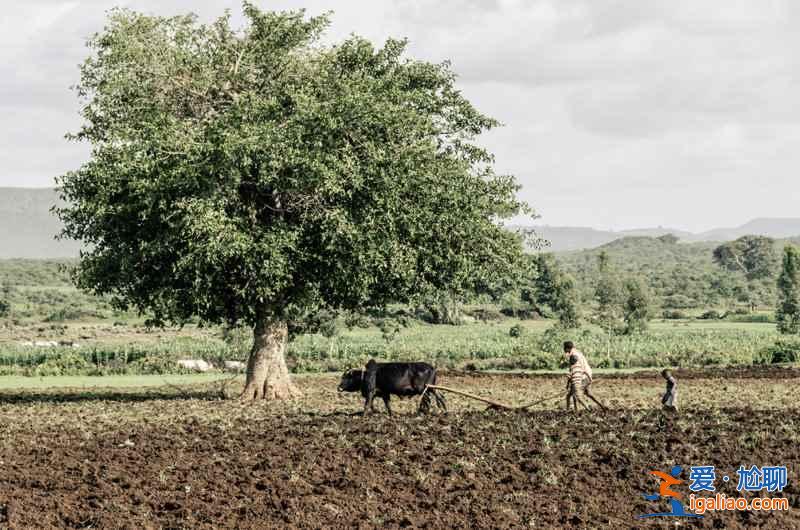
(369, 403)
(386, 402)
(440, 402)
(425, 402)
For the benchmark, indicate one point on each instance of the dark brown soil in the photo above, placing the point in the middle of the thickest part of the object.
(283, 469)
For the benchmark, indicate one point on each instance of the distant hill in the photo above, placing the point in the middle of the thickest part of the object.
(680, 275)
(578, 238)
(772, 227)
(564, 238)
(27, 228)
(641, 254)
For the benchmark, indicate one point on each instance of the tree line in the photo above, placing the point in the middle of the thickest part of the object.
(622, 302)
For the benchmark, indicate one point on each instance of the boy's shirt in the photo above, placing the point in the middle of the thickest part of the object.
(671, 384)
(576, 374)
(583, 364)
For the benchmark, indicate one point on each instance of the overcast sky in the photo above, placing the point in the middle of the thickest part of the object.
(618, 114)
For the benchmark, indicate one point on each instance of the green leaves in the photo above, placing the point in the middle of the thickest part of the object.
(241, 174)
(788, 311)
(753, 256)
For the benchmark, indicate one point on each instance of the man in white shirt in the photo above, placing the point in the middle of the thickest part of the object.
(583, 366)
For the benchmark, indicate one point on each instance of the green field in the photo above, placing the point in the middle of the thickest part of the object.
(98, 340)
(126, 350)
(77, 382)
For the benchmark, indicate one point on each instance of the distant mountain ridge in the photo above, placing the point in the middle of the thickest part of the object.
(778, 228)
(564, 238)
(28, 229)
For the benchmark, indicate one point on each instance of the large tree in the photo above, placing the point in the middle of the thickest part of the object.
(256, 176)
(755, 257)
(556, 290)
(637, 308)
(788, 311)
(608, 293)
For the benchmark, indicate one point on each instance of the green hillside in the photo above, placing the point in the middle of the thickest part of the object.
(680, 275)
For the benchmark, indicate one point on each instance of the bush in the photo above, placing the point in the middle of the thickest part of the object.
(674, 314)
(516, 331)
(755, 318)
(58, 316)
(552, 340)
(354, 319)
(486, 315)
(155, 364)
(441, 308)
(238, 339)
(68, 363)
(389, 328)
(679, 301)
(329, 328)
(711, 315)
(783, 351)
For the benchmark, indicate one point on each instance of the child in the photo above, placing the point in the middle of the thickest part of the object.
(670, 399)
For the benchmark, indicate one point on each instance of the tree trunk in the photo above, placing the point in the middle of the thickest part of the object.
(267, 375)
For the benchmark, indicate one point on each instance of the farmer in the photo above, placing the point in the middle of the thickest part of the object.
(576, 380)
(583, 366)
(670, 399)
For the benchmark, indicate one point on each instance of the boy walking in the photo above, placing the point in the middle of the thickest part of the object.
(670, 399)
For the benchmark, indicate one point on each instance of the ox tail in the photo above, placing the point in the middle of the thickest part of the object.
(425, 402)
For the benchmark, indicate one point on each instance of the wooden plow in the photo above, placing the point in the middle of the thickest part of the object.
(492, 403)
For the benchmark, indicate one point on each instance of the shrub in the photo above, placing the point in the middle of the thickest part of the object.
(155, 364)
(679, 301)
(59, 315)
(516, 331)
(389, 328)
(486, 314)
(239, 340)
(783, 351)
(328, 329)
(711, 314)
(552, 340)
(68, 363)
(441, 308)
(353, 319)
(674, 314)
(755, 318)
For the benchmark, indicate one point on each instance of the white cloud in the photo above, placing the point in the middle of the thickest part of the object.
(618, 113)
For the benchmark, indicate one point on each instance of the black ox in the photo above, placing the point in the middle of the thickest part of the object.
(400, 379)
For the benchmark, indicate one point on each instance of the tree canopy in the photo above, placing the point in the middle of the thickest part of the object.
(753, 256)
(254, 176)
(556, 290)
(788, 311)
